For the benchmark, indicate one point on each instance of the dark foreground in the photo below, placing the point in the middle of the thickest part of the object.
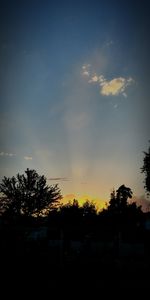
(49, 273)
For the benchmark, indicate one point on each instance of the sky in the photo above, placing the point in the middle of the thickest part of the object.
(74, 94)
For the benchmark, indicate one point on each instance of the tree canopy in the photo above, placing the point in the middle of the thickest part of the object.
(146, 169)
(28, 194)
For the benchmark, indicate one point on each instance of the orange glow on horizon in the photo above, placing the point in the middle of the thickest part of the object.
(100, 204)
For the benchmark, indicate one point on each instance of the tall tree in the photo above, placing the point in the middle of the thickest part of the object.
(122, 194)
(118, 200)
(28, 194)
(146, 169)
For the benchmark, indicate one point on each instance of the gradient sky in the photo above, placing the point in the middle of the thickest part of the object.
(75, 92)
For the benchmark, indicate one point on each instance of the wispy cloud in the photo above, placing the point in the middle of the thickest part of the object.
(116, 105)
(112, 87)
(86, 70)
(109, 43)
(28, 157)
(7, 154)
(58, 178)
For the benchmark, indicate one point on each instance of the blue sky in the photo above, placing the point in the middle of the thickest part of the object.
(75, 92)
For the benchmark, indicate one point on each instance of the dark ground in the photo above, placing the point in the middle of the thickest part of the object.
(88, 274)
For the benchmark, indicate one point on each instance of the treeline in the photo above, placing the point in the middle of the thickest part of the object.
(44, 238)
(28, 203)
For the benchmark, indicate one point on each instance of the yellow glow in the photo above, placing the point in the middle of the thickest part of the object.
(100, 204)
(113, 87)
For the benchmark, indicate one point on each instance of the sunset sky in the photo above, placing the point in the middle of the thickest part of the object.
(74, 92)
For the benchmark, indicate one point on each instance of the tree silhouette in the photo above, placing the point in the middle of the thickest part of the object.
(89, 208)
(122, 195)
(71, 213)
(146, 169)
(118, 201)
(124, 216)
(27, 194)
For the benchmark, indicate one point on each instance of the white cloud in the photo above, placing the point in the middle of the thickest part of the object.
(85, 70)
(115, 86)
(86, 66)
(28, 157)
(102, 79)
(86, 73)
(111, 87)
(125, 95)
(94, 79)
(130, 80)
